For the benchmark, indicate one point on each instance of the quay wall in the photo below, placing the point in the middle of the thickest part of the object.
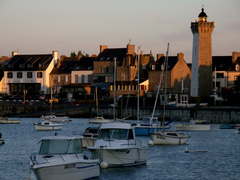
(210, 114)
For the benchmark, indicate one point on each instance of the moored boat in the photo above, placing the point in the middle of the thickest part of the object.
(7, 120)
(227, 126)
(192, 126)
(44, 125)
(56, 118)
(61, 158)
(116, 146)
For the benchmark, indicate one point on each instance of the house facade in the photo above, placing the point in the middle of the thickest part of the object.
(126, 69)
(178, 78)
(225, 71)
(29, 73)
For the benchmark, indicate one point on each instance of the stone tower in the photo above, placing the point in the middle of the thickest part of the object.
(201, 79)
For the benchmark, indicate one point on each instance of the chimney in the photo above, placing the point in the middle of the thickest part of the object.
(235, 55)
(55, 55)
(103, 47)
(14, 53)
(130, 49)
(159, 56)
(180, 56)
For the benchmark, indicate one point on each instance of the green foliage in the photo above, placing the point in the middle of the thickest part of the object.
(73, 54)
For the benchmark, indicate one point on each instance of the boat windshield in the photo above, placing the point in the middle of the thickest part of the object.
(61, 146)
(121, 134)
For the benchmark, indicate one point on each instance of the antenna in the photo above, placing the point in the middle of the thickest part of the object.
(129, 41)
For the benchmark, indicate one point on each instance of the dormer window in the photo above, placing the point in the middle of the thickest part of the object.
(237, 67)
(21, 65)
(29, 66)
(153, 67)
(40, 65)
(10, 65)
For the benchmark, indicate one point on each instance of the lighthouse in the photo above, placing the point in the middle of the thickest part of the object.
(201, 78)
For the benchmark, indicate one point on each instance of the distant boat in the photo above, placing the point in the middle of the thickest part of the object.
(227, 126)
(62, 158)
(6, 120)
(44, 125)
(192, 126)
(56, 118)
(100, 120)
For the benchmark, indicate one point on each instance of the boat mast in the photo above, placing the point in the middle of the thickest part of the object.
(114, 87)
(138, 83)
(160, 82)
(165, 89)
(96, 99)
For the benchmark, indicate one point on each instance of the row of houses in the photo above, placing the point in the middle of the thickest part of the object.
(49, 73)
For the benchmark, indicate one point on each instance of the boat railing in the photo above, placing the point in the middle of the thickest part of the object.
(33, 157)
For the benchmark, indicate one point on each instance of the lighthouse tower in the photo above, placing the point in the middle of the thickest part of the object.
(201, 78)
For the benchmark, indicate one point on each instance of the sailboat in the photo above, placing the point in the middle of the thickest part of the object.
(99, 119)
(149, 123)
(52, 117)
(169, 136)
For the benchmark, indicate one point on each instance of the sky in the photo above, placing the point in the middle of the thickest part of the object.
(42, 26)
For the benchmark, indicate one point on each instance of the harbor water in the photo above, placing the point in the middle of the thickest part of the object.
(212, 154)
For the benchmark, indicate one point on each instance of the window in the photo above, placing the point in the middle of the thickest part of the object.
(82, 79)
(100, 69)
(10, 75)
(39, 74)
(237, 67)
(220, 75)
(66, 78)
(19, 74)
(76, 78)
(29, 66)
(29, 74)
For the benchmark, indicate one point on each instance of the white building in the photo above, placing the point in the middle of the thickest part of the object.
(29, 73)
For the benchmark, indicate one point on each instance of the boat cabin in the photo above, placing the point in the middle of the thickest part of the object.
(116, 131)
(61, 145)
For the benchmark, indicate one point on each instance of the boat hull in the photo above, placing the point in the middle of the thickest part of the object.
(227, 126)
(47, 128)
(9, 121)
(72, 170)
(147, 130)
(169, 140)
(121, 156)
(193, 127)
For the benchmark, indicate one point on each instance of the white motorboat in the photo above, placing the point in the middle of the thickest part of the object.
(116, 146)
(100, 120)
(45, 125)
(169, 137)
(192, 126)
(56, 118)
(6, 120)
(61, 158)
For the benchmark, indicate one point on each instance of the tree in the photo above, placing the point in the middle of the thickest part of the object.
(73, 54)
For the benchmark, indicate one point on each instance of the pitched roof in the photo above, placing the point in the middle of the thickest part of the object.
(222, 63)
(85, 63)
(29, 62)
(65, 67)
(172, 60)
(110, 54)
